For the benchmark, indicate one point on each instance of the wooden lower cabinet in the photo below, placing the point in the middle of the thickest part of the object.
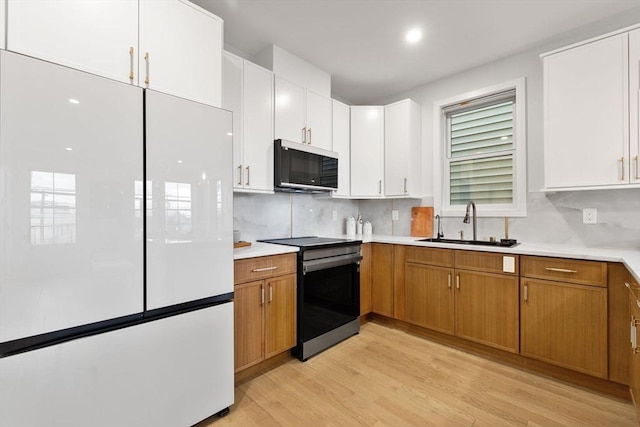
(481, 306)
(429, 297)
(265, 311)
(382, 278)
(634, 352)
(565, 324)
(365, 279)
(618, 307)
(486, 309)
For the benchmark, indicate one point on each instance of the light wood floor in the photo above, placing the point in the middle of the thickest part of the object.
(386, 377)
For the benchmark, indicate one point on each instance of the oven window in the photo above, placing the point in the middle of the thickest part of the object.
(330, 298)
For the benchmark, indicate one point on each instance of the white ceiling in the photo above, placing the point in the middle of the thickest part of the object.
(361, 42)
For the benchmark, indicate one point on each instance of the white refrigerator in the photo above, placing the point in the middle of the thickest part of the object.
(116, 254)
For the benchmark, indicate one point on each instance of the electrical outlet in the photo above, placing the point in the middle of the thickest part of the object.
(394, 215)
(335, 215)
(589, 216)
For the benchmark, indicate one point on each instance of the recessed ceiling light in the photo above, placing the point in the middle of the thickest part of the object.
(179, 161)
(74, 101)
(69, 148)
(414, 35)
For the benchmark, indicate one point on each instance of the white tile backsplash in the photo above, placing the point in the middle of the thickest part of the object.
(551, 218)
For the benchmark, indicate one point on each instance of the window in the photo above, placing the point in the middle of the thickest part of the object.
(481, 152)
(53, 208)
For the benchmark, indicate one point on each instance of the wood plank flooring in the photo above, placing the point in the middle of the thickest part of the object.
(387, 377)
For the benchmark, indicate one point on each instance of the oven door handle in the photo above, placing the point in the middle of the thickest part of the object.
(325, 263)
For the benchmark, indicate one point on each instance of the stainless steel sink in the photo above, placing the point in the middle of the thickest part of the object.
(505, 243)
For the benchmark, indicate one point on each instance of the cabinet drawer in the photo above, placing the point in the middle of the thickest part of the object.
(487, 262)
(431, 256)
(591, 273)
(263, 267)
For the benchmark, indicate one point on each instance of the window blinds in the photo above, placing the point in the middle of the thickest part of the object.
(481, 149)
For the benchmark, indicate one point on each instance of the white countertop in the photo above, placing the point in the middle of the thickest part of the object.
(630, 258)
(258, 249)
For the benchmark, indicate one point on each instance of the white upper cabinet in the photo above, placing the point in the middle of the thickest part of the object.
(341, 145)
(181, 50)
(248, 93)
(586, 114)
(402, 153)
(367, 150)
(301, 115)
(634, 105)
(3, 5)
(98, 36)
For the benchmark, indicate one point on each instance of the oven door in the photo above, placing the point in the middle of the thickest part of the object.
(328, 295)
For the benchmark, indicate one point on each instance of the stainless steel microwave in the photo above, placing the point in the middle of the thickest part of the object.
(304, 168)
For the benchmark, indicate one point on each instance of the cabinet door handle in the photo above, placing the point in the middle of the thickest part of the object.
(258, 270)
(262, 294)
(304, 135)
(637, 172)
(309, 137)
(146, 61)
(449, 281)
(379, 186)
(131, 64)
(526, 293)
(457, 281)
(248, 172)
(622, 164)
(270, 293)
(405, 186)
(560, 270)
(240, 175)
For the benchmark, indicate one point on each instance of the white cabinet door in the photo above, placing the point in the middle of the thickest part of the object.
(341, 145)
(190, 200)
(402, 151)
(174, 371)
(181, 50)
(634, 105)
(367, 138)
(94, 36)
(257, 128)
(318, 120)
(71, 156)
(586, 111)
(232, 100)
(3, 27)
(289, 111)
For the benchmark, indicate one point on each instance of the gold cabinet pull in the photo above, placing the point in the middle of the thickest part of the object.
(262, 295)
(637, 172)
(526, 293)
(146, 61)
(131, 63)
(240, 175)
(449, 281)
(309, 137)
(248, 171)
(560, 270)
(270, 293)
(304, 135)
(622, 164)
(258, 270)
(457, 281)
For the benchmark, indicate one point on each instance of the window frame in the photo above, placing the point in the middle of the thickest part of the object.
(441, 163)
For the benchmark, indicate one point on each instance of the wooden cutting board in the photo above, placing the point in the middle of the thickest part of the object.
(422, 221)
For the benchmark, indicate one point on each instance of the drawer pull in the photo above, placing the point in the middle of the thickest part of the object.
(257, 270)
(560, 270)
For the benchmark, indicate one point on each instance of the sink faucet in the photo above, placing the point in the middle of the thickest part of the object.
(440, 234)
(475, 218)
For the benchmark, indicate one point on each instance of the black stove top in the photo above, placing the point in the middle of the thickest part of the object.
(312, 241)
